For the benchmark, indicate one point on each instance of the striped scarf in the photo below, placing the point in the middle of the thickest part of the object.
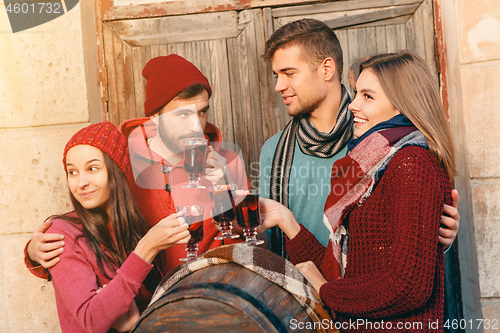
(311, 142)
(357, 174)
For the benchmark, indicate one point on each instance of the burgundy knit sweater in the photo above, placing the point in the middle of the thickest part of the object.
(394, 275)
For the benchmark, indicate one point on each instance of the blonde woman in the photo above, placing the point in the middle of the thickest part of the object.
(383, 267)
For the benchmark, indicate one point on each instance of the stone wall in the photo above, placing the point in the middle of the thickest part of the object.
(472, 40)
(43, 101)
(44, 98)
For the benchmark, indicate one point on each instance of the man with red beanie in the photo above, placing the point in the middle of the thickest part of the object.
(176, 107)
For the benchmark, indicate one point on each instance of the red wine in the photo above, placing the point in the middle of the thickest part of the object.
(247, 211)
(194, 158)
(222, 205)
(195, 228)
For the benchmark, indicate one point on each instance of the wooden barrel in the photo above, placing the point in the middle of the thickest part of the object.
(226, 298)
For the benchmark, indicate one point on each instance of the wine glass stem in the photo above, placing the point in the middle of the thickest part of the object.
(192, 250)
(193, 178)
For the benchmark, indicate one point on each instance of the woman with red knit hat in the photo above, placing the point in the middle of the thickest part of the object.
(106, 274)
(383, 269)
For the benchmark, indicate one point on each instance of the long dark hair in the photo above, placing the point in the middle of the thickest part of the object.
(124, 219)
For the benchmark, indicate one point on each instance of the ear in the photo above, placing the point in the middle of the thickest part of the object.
(329, 69)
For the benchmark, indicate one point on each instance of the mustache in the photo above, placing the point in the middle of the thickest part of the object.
(192, 135)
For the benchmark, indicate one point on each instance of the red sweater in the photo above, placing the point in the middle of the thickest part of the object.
(395, 273)
(76, 279)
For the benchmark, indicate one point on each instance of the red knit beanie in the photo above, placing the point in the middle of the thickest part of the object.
(107, 138)
(166, 77)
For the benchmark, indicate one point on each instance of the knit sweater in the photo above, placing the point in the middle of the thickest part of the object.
(77, 279)
(395, 273)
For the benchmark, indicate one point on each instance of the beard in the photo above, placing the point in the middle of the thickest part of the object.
(303, 108)
(172, 142)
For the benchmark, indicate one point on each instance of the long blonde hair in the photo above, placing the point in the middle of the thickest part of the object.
(408, 83)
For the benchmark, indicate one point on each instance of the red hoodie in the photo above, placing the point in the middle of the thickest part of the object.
(157, 185)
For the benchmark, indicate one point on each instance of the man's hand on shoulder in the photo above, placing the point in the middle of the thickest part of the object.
(45, 248)
(450, 221)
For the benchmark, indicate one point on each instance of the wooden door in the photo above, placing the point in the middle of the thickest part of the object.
(226, 47)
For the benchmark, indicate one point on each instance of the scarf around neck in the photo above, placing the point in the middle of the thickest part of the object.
(359, 172)
(311, 142)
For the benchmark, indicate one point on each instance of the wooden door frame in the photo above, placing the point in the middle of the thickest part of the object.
(94, 12)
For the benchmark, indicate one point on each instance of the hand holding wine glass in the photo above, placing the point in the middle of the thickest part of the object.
(223, 209)
(195, 155)
(193, 215)
(247, 214)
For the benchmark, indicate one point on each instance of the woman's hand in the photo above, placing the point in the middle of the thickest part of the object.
(273, 213)
(170, 231)
(312, 274)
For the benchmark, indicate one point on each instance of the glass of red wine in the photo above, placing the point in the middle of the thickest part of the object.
(195, 156)
(193, 215)
(247, 215)
(223, 209)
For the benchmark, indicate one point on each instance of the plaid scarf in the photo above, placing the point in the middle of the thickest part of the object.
(354, 177)
(268, 265)
(311, 142)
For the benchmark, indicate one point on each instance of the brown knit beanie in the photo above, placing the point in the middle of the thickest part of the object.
(166, 77)
(106, 137)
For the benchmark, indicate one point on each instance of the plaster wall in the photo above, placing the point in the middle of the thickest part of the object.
(472, 42)
(43, 101)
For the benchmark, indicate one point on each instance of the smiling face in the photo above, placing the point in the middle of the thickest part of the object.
(183, 118)
(370, 105)
(87, 176)
(302, 89)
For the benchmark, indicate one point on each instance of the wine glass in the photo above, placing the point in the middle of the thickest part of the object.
(247, 215)
(223, 209)
(195, 156)
(193, 215)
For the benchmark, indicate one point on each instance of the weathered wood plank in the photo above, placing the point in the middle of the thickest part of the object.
(400, 36)
(174, 29)
(337, 20)
(390, 21)
(129, 110)
(339, 6)
(410, 34)
(342, 35)
(371, 42)
(112, 98)
(427, 16)
(138, 64)
(381, 39)
(182, 7)
(390, 32)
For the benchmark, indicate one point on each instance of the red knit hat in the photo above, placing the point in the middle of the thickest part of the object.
(107, 138)
(166, 78)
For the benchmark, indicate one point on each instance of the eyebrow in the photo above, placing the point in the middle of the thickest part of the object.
(183, 111)
(88, 162)
(285, 69)
(367, 90)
